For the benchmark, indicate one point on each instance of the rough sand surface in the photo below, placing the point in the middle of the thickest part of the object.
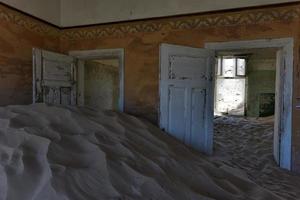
(54, 153)
(247, 144)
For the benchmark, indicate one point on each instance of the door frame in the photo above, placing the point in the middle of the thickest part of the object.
(82, 55)
(285, 119)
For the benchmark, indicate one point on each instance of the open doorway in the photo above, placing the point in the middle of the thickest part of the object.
(101, 84)
(101, 78)
(187, 91)
(260, 98)
(245, 88)
(93, 78)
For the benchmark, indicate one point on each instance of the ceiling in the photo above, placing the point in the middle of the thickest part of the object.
(66, 13)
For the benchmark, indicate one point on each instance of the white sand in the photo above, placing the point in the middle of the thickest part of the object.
(52, 153)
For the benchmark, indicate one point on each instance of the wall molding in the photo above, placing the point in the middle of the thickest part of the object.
(285, 12)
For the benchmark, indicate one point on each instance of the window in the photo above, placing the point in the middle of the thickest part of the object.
(240, 66)
(219, 67)
(230, 67)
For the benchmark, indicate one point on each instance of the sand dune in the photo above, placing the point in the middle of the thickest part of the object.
(54, 153)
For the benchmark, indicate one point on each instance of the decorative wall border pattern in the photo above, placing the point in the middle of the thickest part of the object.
(255, 16)
(9, 15)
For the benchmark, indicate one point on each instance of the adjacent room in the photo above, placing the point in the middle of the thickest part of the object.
(245, 83)
(140, 100)
(244, 110)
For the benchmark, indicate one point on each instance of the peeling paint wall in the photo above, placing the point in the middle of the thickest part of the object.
(18, 35)
(141, 41)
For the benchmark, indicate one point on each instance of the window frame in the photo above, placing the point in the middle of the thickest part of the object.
(219, 66)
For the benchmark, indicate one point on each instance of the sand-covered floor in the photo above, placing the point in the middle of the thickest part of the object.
(55, 153)
(247, 144)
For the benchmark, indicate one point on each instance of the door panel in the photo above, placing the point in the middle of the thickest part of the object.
(186, 84)
(65, 96)
(54, 78)
(177, 111)
(55, 70)
(198, 118)
(184, 67)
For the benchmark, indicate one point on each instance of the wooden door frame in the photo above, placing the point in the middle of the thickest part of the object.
(100, 54)
(287, 45)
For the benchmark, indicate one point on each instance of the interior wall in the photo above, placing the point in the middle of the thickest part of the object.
(46, 10)
(261, 76)
(18, 35)
(141, 41)
(101, 84)
(81, 12)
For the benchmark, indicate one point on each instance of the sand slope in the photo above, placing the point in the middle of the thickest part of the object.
(54, 153)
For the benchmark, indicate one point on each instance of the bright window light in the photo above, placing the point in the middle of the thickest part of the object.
(228, 65)
(240, 67)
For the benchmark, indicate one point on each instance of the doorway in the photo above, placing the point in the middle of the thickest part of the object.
(101, 78)
(101, 84)
(188, 116)
(283, 91)
(93, 78)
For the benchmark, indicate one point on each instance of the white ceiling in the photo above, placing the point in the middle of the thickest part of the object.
(82, 12)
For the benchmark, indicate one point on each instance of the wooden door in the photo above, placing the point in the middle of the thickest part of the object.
(186, 95)
(54, 78)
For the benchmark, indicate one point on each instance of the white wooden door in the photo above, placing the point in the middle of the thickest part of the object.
(54, 78)
(186, 95)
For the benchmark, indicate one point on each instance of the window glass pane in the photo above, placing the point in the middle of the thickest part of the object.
(219, 67)
(228, 67)
(241, 67)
